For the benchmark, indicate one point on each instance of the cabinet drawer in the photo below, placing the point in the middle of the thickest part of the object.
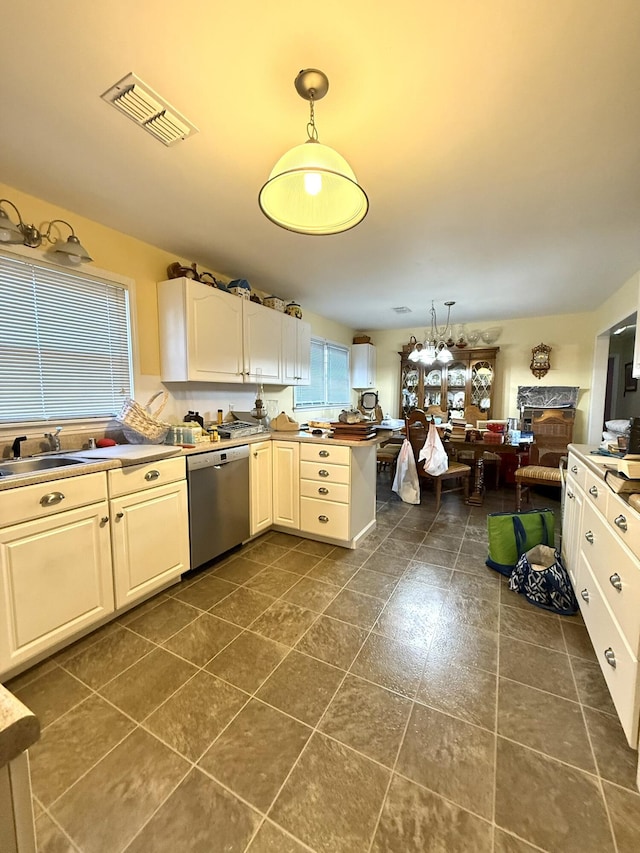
(616, 571)
(44, 499)
(133, 478)
(322, 472)
(596, 490)
(334, 453)
(622, 680)
(578, 469)
(625, 521)
(338, 492)
(325, 518)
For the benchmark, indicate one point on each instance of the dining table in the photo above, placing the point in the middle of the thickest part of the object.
(479, 448)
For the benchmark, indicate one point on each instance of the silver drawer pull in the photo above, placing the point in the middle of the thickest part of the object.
(570, 495)
(621, 522)
(51, 499)
(589, 537)
(323, 453)
(119, 515)
(585, 594)
(609, 656)
(323, 491)
(574, 469)
(594, 491)
(323, 519)
(323, 473)
(616, 581)
(152, 475)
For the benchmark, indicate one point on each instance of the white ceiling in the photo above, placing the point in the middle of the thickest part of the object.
(497, 140)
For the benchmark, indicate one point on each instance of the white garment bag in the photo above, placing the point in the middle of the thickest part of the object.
(406, 483)
(435, 456)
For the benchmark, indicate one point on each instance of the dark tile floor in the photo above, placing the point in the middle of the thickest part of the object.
(298, 697)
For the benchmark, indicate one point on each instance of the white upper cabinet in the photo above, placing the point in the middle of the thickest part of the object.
(201, 333)
(296, 351)
(207, 335)
(363, 366)
(262, 341)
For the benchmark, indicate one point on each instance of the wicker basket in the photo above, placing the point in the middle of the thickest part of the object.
(140, 425)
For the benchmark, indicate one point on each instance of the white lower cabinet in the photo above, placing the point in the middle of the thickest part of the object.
(286, 484)
(55, 570)
(261, 487)
(333, 486)
(598, 534)
(150, 528)
(67, 544)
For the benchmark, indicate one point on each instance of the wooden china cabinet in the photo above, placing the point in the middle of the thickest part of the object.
(467, 380)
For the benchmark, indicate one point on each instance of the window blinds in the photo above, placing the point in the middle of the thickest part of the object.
(329, 375)
(65, 349)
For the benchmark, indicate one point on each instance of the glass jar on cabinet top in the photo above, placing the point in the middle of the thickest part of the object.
(468, 380)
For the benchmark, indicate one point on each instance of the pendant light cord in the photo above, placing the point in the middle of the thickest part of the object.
(312, 132)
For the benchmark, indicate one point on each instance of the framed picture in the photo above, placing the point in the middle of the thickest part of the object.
(630, 384)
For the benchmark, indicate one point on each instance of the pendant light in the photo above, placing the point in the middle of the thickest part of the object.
(436, 346)
(312, 189)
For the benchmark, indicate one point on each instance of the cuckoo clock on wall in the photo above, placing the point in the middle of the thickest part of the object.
(540, 363)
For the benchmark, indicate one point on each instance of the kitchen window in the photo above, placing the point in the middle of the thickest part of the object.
(329, 374)
(65, 343)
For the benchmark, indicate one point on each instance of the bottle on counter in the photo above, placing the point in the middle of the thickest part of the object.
(219, 416)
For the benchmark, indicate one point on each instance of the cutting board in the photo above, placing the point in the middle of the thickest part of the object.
(129, 453)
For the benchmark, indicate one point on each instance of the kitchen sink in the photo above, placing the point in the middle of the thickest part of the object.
(35, 464)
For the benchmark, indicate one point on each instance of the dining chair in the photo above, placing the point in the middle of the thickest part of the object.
(543, 470)
(416, 429)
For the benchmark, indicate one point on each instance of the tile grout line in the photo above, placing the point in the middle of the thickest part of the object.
(593, 753)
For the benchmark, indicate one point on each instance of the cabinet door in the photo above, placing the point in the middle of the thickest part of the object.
(482, 376)
(286, 483)
(56, 581)
(296, 351)
(363, 366)
(262, 342)
(150, 536)
(456, 387)
(200, 331)
(571, 524)
(261, 486)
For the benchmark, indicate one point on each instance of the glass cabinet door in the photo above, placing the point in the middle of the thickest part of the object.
(481, 385)
(456, 387)
(409, 385)
(432, 386)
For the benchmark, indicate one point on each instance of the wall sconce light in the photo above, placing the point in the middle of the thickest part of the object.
(70, 249)
(312, 189)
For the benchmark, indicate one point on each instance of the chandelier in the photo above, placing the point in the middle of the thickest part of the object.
(437, 342)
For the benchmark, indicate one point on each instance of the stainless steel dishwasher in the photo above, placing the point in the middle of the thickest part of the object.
(218, 484)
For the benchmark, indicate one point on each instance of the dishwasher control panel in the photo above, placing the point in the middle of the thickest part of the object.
(210, 458)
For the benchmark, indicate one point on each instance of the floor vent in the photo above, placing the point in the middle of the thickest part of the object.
(141, 104)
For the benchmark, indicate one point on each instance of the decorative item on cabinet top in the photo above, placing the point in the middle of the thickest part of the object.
(293, 309)
(240, 287)
(274, 302)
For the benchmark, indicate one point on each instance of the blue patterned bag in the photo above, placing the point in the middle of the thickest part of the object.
(541, 577)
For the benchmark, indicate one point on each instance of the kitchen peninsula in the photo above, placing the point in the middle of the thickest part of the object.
(98, 536)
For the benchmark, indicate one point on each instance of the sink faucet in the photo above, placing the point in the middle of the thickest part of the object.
(54, 438)
(15, 447)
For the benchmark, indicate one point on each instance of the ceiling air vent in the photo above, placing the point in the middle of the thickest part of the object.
(402, 309)
(144, 106)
